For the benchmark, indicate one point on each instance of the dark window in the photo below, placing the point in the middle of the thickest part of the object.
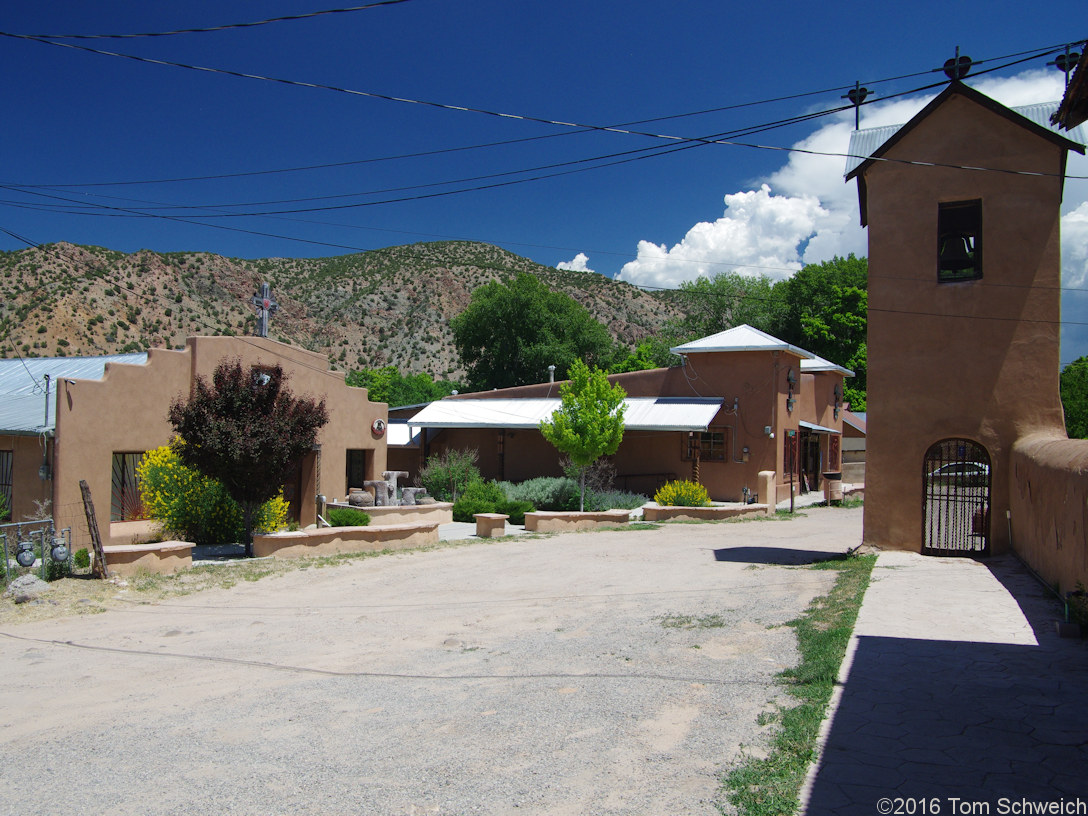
(959, 240)
(710, 443)
(125, 504)
(5, 484)
(356, 468)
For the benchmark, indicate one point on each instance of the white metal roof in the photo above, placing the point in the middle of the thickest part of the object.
(22, 387)
(402, 435)
(812, 426)
(864, 143)
(640, 414)
(740, 338)
(818, 363)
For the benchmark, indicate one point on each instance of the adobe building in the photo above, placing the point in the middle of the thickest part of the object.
(964, 325)
(742, 402)
(104, 413)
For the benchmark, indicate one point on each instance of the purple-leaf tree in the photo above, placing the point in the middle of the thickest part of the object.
(247, 430)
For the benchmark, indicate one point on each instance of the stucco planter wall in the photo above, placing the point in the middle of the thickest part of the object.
(333, 540)
(162, 557)
(545, 521)
(658, 512)
(439, 513)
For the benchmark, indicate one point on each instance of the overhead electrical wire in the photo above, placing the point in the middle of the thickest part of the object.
(224, 27)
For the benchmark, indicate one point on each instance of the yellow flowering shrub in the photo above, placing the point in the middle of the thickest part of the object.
(682, 494)
(194, 507)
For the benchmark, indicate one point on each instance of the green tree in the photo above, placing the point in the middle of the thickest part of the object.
(511, 332)
(589, 421)
(653, 352)
(247, 430)
(826, 312)
(387, 384)
(725, 301)
(1074, 390)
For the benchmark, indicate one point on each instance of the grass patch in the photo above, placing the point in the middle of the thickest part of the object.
(770, 786)
(675, 621)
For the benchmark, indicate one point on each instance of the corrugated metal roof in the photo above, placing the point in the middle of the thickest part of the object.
(812, 426)
(818, 363)
(739, 338)
(864, 143)
(22, 387)
(641, 413)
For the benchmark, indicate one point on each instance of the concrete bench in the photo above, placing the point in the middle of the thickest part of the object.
(161, 557)
(489, 525)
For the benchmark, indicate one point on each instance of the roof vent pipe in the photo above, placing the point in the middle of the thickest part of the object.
(551, 373)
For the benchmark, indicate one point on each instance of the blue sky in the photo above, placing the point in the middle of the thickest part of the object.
(89, 125)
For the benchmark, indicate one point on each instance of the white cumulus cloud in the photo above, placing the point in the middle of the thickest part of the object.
(578, 264)
(812, 215)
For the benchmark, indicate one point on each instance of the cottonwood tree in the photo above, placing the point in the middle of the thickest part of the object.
(511, 332)
(246, 429)
(589, 421)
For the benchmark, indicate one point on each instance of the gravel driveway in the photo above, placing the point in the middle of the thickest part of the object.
(592, 673)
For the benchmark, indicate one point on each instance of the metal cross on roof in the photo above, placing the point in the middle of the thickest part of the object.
(266, 307)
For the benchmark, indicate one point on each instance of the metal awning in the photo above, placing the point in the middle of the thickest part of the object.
(812, 426)
(641, 413)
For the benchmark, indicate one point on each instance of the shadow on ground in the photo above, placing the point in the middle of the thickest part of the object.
(977, 722)
(772, 555)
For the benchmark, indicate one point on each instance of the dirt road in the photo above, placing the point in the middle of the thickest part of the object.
(610, 673)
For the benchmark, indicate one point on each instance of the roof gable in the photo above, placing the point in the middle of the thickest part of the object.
(740, 338)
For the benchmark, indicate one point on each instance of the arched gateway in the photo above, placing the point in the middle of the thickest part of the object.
(956, 481)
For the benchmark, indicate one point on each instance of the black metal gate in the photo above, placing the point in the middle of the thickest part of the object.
(956, 499)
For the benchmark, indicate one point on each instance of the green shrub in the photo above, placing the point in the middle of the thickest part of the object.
(546, 493)
(682, 494)
(195, 508)
(347, 517)
(479, 497)
(614, 499)
(515, 509)
(81, 558)
(447, 475)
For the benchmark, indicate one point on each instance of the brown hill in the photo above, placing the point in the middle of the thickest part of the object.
(388, 306)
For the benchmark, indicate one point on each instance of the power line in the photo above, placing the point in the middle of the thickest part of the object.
(224, 27)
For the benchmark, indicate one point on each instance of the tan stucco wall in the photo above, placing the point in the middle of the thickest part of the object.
(976, 359)
(126, 411)
(1049, 507)
(26, 487)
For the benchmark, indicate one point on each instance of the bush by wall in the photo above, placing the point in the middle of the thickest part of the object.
(447, 475)
(682, 494)
(195, 508)
(347, 517)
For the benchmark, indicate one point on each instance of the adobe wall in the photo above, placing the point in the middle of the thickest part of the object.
(26, 486)
(126, 411)
(1048, 507)
(973, 359)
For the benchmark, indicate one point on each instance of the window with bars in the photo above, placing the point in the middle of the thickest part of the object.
(711, 445)
(125, 504)
(6, 458)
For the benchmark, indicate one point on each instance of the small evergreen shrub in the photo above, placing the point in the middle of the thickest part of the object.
(682, 494)
(81, 558)
(479, 497)
(347, 517)
(516, 510)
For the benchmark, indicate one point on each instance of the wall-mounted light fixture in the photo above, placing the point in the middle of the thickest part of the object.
(790, 402)
(744, 453)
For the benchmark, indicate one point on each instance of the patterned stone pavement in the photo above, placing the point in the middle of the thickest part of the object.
(957, 696)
